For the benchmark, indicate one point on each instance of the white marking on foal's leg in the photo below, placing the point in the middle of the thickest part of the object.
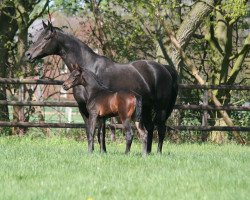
(143, 136)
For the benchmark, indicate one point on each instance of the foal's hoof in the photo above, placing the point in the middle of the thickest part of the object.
(90, 151)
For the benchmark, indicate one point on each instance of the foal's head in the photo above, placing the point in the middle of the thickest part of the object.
(76, 77)
(80, 76)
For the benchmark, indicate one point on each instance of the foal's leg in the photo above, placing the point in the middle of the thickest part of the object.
(129, 134)
(139, 125)
(143, 136)
(101, 135)
(112, 129)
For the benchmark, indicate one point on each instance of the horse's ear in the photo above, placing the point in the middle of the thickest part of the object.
(50, 26)
(44, 25)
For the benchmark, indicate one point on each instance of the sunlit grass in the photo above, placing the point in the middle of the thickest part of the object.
(60, 168)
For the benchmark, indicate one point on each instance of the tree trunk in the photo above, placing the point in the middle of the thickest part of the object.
(15, 20)
(190, 24)
(7, 33)
(200, 80)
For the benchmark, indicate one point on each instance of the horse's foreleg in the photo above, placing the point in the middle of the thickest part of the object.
(91, 132)
(101, 135)
(129, 134)
(84, 113)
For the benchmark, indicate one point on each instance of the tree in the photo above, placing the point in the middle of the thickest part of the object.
(16, 17)
(194, 30)
(222, 74)
(7, 33)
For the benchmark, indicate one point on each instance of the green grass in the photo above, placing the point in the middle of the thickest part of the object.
(60, 168)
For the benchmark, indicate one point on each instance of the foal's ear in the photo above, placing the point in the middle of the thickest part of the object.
(44, 25)
(78, 68)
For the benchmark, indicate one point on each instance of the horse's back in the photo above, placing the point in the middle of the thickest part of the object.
(158, 76)
(156, 83)
(143, 77)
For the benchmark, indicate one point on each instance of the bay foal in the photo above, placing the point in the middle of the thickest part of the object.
(103, 103)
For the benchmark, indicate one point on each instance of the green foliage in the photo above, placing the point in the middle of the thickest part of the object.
(5, 131)
(69, 7)
(127, 39)
(241, 98)
(120, 31)
(234, 8)
(59, 168)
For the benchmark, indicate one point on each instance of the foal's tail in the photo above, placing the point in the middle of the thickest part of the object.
(138, 108)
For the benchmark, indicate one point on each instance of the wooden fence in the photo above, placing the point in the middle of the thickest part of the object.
(204, 107)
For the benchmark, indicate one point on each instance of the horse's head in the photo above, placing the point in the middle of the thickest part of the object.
(76, 77)
(45, 44)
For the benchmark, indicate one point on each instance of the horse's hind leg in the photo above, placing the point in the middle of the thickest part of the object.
(149, 125)
(161, 133)
(161, 128)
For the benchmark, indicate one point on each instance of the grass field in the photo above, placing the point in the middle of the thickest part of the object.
(60, 168)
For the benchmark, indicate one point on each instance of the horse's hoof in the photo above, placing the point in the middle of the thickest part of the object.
(103, 152)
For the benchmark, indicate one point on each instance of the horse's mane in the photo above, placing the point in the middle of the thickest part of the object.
(74, 38)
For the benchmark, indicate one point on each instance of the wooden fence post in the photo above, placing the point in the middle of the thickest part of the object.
(204, 134)
(21, 117)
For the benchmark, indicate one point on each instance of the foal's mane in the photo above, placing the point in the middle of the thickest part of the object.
(94, 76)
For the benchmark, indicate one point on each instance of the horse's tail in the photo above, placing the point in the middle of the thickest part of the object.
(174, 91)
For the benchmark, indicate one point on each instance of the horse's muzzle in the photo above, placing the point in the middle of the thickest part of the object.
(28, 56)
(65, 87)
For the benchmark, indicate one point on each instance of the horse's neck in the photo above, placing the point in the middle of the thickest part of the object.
(73, 51)
(94, 88)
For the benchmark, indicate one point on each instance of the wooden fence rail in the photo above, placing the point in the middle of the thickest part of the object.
(74, 104)
(119, 126)
(205, 107)
(181, 86)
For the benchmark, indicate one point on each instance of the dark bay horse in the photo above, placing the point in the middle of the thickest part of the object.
(156, 83)
(102, 103)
